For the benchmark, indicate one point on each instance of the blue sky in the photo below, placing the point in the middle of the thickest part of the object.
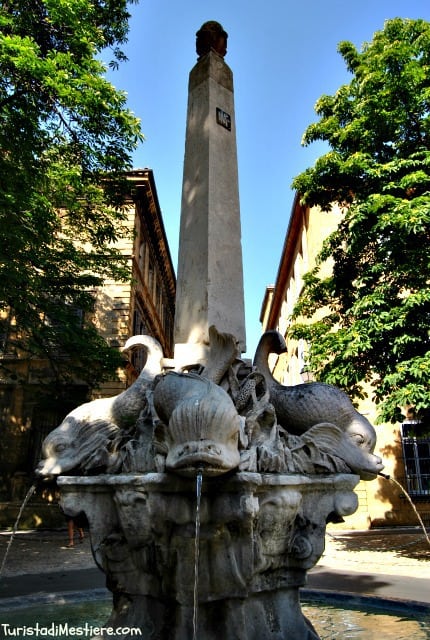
(283, 56)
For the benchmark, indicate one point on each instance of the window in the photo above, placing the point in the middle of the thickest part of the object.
(416, 452)
(139, 325)
(7, 333)
(138, 356)
(142, 251)
(150, 282)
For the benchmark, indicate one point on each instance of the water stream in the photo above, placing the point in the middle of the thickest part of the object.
(411, 503)
(15, 527)
(199, 481)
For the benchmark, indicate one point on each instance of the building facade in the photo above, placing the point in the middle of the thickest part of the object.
(404, 449)
(143, 305)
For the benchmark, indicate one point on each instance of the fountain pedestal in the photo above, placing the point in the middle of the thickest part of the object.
(259, 534)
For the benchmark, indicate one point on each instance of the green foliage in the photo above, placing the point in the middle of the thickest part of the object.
(66, 138)
(377, 298)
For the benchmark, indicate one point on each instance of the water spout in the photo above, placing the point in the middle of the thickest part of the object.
(15, 527)
(199, 481)
(384, 475)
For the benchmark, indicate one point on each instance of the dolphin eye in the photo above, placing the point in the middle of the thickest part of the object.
(358, 439)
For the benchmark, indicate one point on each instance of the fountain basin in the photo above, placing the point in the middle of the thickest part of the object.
(336, 616)
(259, 534)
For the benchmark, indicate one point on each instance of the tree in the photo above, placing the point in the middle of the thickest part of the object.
(376, 319)
(66, 138)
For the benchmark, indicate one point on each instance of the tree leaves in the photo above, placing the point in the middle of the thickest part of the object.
(66, 139)
(373, 311)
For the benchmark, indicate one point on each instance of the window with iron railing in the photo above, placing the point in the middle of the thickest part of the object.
(416, 454)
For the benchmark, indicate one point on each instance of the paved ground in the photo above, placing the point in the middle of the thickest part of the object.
(385, 564)
(393, 564)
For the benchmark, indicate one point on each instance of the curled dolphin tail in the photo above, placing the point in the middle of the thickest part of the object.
(222, 353)
(154, 353)
(270, 342)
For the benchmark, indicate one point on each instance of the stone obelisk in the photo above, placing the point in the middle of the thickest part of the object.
(210, 273)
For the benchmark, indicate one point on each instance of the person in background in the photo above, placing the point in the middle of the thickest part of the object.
(72, 524)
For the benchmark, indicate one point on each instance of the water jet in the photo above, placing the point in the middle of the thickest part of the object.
(16, 525)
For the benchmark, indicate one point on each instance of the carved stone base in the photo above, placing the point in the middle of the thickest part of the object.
(259, 534)
(271, 614)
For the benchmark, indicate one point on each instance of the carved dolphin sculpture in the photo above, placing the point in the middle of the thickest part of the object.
(80, 446)
(300, 407)
(332, 440)
(89, 436)
(201, 424)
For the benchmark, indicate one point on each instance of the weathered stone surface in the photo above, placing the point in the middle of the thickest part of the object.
(322, 412)
(259, 534)
(211, 37)
(218, 418)
(203, 426)
(267, 494)
(210, 278)
(91, 436)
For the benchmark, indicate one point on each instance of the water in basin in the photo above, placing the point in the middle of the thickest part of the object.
(332, 622)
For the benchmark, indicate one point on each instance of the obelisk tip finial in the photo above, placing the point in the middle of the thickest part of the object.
(211, 37)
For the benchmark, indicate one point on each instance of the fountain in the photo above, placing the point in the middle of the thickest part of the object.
(207, 485)
(265, 495)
